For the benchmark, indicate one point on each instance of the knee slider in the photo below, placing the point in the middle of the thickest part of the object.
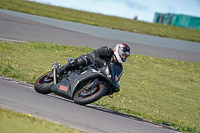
(73, 63)
(82, 61)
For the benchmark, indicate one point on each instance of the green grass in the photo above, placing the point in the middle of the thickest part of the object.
(160, 90)
(101, 20)
(13, 122)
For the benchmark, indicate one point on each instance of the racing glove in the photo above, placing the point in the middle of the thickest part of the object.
(100, 62)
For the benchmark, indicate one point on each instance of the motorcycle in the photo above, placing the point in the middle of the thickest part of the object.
(83, 86)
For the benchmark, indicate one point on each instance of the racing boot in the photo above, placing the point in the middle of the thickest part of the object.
(62, 70)
(82, 61)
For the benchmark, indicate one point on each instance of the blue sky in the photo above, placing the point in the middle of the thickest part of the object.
(144, 9)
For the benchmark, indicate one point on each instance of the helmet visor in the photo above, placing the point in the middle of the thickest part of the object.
(124, 56)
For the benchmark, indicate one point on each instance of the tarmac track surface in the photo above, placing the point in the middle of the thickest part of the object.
(24, 27)
(85, 118)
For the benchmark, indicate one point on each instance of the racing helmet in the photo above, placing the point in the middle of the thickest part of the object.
(122, 52)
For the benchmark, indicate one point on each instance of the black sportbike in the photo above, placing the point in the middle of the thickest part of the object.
(84, 86)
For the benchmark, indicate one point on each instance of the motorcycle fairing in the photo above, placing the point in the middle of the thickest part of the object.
(114, 73)
(68, 86)
(62, 89)
(88, 74)
(72, 81)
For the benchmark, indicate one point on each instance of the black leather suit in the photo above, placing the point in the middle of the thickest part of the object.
(103, 55)
(100, 56)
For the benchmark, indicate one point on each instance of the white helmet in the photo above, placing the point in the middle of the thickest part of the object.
(122, 52)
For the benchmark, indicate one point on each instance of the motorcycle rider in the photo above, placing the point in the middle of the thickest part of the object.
(101, 56)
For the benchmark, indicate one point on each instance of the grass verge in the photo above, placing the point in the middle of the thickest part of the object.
(13, 122)
(161, 90)
(101, 20)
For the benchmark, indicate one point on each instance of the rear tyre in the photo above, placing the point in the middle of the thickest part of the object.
(43, 84)
(88, 96)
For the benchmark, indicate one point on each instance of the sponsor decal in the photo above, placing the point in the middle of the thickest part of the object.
(63, 88)
(116, 78)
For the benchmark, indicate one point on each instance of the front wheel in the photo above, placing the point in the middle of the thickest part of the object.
(43, 84)
(88, 96)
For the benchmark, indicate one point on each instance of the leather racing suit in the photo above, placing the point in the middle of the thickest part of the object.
(100, 56)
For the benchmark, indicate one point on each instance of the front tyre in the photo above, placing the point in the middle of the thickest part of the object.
(88, 96)
(43, 84)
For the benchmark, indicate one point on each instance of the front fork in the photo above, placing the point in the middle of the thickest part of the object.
(55, 66)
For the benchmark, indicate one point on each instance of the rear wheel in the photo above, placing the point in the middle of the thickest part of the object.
(90, 95)
(43, 84)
